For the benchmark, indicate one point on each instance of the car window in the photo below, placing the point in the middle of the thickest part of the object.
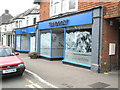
(4, 52)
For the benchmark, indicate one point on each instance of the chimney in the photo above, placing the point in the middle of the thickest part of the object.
(6, 11)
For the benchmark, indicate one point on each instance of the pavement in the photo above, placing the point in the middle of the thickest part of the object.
(68, 76)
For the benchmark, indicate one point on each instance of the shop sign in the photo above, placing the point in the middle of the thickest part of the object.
(58, 23)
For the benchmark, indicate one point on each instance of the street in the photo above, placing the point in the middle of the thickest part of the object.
(25, 81)
(57, 74)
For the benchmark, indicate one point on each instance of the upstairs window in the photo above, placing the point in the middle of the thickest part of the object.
(51, 7)
(27, 21)
(34, 20)
(62, 6)
(16, 24)
(20, 23)
(5, 28)
(72, 4)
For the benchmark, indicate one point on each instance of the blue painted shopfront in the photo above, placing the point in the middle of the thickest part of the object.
(25, 39)
(51, 28)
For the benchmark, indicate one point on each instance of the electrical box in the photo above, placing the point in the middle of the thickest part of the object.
(112, 49)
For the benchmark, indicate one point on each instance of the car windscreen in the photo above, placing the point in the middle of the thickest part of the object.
(4, 52)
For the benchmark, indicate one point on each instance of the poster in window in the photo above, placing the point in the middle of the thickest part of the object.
(78, 46)
(78, 41)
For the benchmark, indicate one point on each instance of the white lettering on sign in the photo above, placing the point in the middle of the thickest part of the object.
(58, 23)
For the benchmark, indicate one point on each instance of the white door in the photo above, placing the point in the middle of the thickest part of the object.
(32, 43)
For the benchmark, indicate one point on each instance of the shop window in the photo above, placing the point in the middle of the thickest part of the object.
(25, 42)
(45, 44)
(57, 42)
(78, 45)
(79, 41)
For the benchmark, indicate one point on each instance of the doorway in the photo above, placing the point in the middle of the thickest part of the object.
(119, 48)
(8, 40)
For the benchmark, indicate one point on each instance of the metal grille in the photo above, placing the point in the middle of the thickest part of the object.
(99, 85)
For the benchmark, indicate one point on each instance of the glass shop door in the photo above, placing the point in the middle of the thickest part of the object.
(32, 43)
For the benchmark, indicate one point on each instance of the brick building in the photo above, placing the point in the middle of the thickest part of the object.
(103, 29)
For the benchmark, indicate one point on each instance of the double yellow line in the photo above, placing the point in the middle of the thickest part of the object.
(32, 84)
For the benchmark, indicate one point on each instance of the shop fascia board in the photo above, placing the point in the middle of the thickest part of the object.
(72, 13)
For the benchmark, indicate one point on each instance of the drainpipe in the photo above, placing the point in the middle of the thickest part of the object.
(100, 39)
(14, 39)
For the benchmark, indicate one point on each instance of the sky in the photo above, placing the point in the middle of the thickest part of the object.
(15, 6)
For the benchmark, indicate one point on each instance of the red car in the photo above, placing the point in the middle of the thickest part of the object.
(10, 64)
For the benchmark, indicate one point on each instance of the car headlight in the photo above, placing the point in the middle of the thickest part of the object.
(21, 65)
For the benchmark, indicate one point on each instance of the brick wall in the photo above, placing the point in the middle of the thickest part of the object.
(110, 10)
(44, 10)
(110, 35)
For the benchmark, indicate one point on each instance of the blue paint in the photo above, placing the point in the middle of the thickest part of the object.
(45, 56)
(17, 49)
(24, 50)
(79, 19)
(39, 41)
(52, 57)
(27, 30)
(20, 41)
(64, 41)
(29, 43)
(76, 63)
(58, 57)
(51, 44)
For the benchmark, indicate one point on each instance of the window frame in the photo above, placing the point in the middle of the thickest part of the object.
(52, 7)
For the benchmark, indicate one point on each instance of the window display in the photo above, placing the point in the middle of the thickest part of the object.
(45, 43)
(78, 46)
(24, 42)
(78, 41)
(18, 42)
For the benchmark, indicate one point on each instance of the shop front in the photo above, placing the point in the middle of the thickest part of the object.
(51, 45)
(25, 39)
(75, 38)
